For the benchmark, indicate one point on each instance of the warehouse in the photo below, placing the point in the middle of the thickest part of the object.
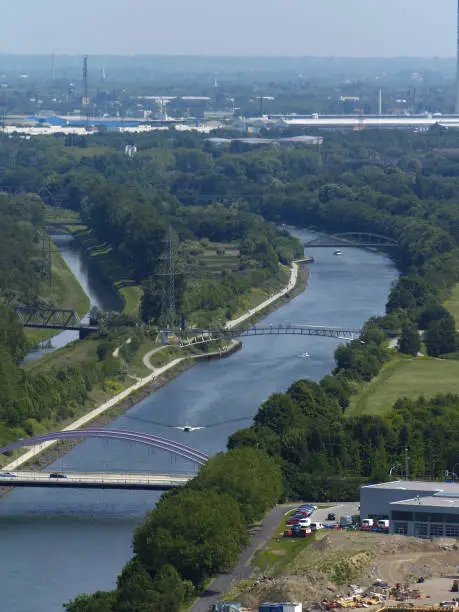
(376, 500)
(433, 516)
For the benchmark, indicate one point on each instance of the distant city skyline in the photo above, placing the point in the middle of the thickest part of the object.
(353, 28)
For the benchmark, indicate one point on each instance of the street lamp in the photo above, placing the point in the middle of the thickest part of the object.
(396, 465)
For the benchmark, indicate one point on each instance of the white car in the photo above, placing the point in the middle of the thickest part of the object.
(316, 526)
(304, 522)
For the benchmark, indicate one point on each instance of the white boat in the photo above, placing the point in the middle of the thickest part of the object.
(338, 252)
(305, 355)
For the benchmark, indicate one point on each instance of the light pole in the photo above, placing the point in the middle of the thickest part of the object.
(396, 465)
(407, 459)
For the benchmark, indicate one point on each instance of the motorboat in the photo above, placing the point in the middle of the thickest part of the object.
(305, 355)
(189, 428)
(338, 252)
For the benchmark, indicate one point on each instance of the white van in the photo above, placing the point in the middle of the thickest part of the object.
(367, 523)
(316, 526)
(383, 524)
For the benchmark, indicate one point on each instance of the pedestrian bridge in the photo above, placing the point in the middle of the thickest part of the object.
(94, 480)
(353, 239)
(206, 335)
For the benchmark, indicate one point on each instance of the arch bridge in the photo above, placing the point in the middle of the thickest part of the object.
(100, 480)
(353, 239)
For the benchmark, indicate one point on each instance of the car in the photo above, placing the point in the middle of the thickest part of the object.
(316, 526)
(57, 475)
(304, 522)
(296, 518)
(303, 511)
(331, 516)
(7, 475)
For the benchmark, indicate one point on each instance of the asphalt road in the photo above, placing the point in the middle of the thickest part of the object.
(244, 569)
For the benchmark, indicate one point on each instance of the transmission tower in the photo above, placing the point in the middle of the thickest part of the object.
(169, 271)
(46, 266)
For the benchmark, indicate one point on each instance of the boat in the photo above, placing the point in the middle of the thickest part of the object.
(305, 355)
(338, 252)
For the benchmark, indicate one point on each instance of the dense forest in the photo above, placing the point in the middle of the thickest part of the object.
(398, 184)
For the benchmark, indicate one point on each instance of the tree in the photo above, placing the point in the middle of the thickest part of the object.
(101, 601)
(248, 475)
(410, 343)
(441, 337)
(197, 532)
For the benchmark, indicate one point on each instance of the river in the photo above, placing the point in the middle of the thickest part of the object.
(56, 544)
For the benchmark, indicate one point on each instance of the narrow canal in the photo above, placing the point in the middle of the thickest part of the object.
(56, 544)
(99, 292)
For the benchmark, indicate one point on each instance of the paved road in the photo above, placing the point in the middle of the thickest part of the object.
(223, 582)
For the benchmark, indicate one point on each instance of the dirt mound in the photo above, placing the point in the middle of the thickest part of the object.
(336, 559)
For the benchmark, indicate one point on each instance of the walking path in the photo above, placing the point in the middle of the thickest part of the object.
(291, 284)
(141, 382)
(223, 583)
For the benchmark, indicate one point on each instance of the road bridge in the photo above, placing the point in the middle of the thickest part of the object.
(52, 318)
(354, 239)
(158, 442)
(94, 480)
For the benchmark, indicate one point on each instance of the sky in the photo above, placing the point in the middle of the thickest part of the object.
(356, 28)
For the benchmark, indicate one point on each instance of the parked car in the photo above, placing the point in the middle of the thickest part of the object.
(57, 475)
(306, 522)
(7, 475)
(316, 526)
(331, 516)
(296, 518)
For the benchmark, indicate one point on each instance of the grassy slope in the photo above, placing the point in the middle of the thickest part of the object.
(453, 304)
(409, 377)
(406, 378)
(108, 264)
(65, 291)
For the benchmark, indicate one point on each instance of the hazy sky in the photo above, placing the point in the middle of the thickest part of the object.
(230, 27)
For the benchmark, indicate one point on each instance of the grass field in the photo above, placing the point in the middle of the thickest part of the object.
(453, 304)
(406, 378)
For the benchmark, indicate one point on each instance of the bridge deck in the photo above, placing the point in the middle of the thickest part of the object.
(95, 480)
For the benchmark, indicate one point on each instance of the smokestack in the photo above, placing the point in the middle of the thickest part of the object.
(380, 101)
(457, 68)
(85, 100)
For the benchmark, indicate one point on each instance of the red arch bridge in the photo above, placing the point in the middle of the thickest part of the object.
(102, 480)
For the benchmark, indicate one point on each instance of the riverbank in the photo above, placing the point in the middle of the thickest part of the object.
(147, 384)
(62, 289)
(105, 263)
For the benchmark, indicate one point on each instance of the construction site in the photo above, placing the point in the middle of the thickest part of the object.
(352, 569)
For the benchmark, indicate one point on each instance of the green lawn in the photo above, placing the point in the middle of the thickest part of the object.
(453, 304)
(406, 378)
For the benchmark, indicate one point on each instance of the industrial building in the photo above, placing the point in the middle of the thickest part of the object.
(416, 508)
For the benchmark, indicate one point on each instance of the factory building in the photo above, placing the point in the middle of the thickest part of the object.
(416, 508)
(433, 516)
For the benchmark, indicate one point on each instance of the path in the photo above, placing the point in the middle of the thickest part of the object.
(141, 382)
(244, 569)
(291, 284)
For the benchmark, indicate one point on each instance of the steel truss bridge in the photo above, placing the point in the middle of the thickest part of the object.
(103, 480)
(354, 239)
(203, 335)
(52, 318)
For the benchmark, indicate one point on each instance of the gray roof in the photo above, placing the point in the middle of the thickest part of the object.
(416, 485)
(436, 501)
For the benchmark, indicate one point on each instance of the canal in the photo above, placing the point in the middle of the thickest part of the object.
(56, 544)
(99, 292)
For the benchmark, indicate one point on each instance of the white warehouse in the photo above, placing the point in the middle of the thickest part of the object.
(415, 508)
